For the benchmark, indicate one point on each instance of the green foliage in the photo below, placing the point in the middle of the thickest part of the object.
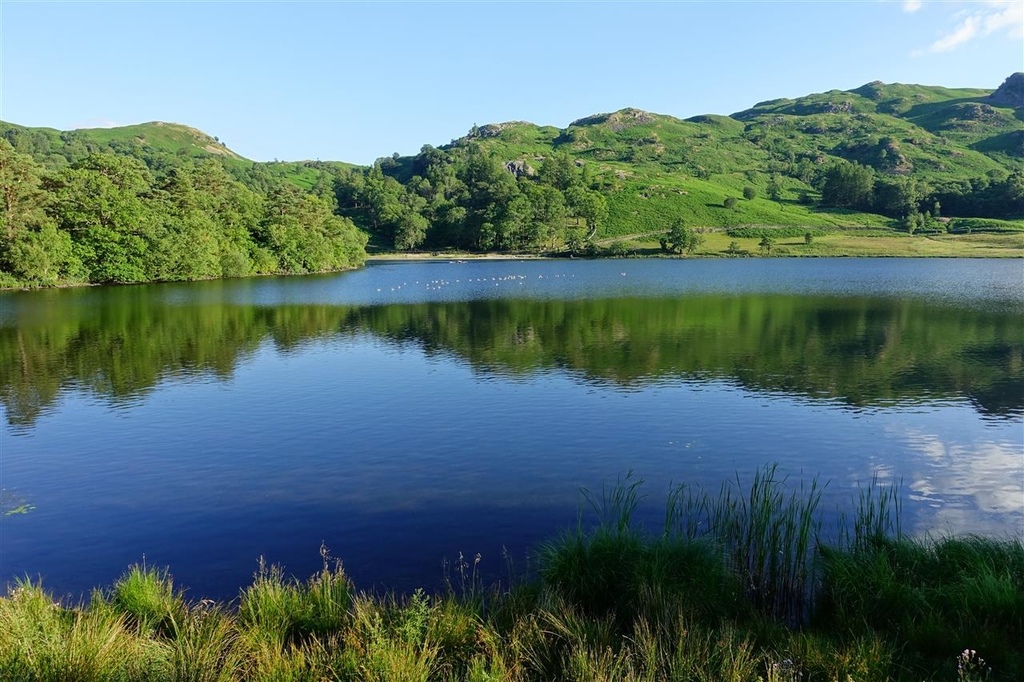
(280, 611)
(681, 238)
(931, 595)
(468, 197)
(148, 599)
(848, 185)
(43, 640)
(899, 197)
(559, 172)
(201, 646)
(106, 218)
(970, 225)
(101, 202)
(879, 151)
(610, 602)
(780, 232)
(768, 535)
(300, 230)
(650, 168)
(31, 249)
(615, 567)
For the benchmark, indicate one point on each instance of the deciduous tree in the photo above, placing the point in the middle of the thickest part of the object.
(681, 238)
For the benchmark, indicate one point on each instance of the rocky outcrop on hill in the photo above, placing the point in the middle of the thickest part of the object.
(1010, 93)
(519, 168)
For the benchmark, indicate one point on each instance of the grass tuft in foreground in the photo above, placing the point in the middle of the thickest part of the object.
(738, 585)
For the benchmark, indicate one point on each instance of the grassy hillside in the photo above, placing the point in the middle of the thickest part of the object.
(152, 142)
(161, 145)
(654, 167)
(764, 167)
(168, 137)
(938, 132)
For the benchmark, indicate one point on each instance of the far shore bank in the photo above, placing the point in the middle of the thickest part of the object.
(721, 245)
(452, 256)
(824, 247)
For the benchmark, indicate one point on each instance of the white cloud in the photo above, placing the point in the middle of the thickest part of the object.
(1010, 17)
(95, 123)
(964, 487)
(979, 19)
(967, 29)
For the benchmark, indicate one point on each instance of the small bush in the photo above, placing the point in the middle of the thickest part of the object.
(779, 232)
(147, 597)
(284, 611)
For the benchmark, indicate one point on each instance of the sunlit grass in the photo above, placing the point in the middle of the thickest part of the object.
(867, 242)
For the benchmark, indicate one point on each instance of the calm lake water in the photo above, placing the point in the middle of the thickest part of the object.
(407, 412)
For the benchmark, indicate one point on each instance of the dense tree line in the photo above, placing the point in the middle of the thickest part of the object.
(81, 207)
(916, 203)
(111, 218)
(469, 198)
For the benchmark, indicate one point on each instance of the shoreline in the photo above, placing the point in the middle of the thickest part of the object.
(600, 600)
(451, 256)
(438, 257)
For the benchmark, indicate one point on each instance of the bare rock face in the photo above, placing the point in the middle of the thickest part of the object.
(1010, 93)
(492, 129)
(837, 108)
(628, 118)
(519, 168)
(617, 121)
(973, 111)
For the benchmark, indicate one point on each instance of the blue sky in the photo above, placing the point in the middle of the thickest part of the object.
(354, 81)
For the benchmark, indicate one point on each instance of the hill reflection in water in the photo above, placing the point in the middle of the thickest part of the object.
(404, 413)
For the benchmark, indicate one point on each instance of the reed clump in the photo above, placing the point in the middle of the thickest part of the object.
(742, 584)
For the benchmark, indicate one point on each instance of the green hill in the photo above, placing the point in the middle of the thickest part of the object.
(166, 137)
(161, 146)
(157, 202)
(153, 142)
(941, 133)
(881, 160)
(923, 146)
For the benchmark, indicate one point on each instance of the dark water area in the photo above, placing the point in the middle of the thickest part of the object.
(405, 413)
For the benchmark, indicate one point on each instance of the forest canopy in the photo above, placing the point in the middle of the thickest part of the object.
(162, 201)
(108, 218)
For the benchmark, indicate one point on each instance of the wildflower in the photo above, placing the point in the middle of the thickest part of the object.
(971, 666)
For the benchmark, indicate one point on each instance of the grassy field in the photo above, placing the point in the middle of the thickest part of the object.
(862, 243)
(735, 586)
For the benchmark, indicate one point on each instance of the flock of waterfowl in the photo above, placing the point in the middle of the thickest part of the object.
(437, 284)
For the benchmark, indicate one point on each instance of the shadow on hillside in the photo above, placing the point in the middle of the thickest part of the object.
(1011, 143)
(929, 109)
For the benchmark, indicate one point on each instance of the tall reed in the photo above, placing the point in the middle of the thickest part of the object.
(768, 537)
(878, 517)
(713, 596)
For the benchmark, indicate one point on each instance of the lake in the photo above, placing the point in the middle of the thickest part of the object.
(405, 413)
